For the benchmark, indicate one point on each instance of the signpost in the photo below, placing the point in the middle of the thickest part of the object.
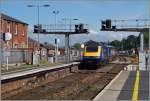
(56, 49)
(7, 37)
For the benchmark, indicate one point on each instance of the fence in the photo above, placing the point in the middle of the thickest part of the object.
(26, 56)
(17, 56)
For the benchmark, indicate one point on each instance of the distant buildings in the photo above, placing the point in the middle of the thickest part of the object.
(17, 28)
(32, 44)
(23, 49)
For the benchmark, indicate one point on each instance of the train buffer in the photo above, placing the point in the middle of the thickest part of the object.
(127, 85)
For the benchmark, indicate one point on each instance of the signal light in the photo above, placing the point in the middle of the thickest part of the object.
(85, 30)
(81, 27)
(43, 30)
(37, 28)
(108, 24)
(76, 28)
(103, 22)
(103, 25)
(114, 27)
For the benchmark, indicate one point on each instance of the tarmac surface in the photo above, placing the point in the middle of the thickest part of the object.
(125, 87)
(128, 88)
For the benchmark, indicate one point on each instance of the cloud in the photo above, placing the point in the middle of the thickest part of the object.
(30, 28)
(93, 31)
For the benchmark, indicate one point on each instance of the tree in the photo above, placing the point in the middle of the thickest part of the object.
(128, 43)
(146, 38)
(132, 42)
(116, 43)
(77, 45)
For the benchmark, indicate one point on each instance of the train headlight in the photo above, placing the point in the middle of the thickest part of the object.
(82, 45)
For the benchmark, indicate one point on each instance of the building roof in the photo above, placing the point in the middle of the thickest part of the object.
(47, 46)
(32, 40)
(92, 43)
(8, 18)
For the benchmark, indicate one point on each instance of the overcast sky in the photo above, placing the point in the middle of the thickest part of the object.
(90, 12)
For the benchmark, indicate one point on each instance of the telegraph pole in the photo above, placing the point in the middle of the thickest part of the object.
(38, 22)
(149, 40)
(56, 48)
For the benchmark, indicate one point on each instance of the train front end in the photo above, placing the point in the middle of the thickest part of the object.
(92, 55)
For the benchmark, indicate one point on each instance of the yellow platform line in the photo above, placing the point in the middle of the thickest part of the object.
(136, 86)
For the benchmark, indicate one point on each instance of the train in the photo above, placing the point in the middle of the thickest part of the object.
(96, 54)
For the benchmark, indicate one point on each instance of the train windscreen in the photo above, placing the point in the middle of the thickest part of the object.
(91, 49)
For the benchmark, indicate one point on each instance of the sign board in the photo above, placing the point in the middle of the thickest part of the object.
(7, 36)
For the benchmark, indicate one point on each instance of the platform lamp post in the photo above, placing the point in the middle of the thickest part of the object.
(38, 15)
(149, 42)
(71, 23)
(56, 40)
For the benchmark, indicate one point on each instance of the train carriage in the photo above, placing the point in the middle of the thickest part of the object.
(95, 54)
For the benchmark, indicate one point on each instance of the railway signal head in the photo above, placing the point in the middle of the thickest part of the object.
(103, 25)
(113, 27)
(76, 28)
(81, 29)
(37, 28)
(108, 23)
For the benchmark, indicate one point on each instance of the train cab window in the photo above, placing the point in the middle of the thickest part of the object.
(105, 51)
(91, 49)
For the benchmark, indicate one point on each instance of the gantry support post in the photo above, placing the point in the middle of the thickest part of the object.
(67, 57)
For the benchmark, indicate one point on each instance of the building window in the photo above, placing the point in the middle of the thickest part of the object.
(16, 29)
(23, 30)
(15, 45)
(8, 26)
(22, 45)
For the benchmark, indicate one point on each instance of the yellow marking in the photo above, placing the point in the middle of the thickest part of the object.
(93, 53)
(136, 87)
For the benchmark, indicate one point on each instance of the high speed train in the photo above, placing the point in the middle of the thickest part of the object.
(95, 54)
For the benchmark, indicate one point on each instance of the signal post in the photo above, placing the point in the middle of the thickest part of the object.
(78, 29)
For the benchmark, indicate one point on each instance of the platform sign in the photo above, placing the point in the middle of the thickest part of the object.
(7, 36)
(142, 65)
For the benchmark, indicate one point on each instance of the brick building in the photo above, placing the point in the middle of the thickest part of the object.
(17, 28)
(32, 44)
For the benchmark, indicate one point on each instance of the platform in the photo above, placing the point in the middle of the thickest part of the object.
(127, 85)
(36, 70)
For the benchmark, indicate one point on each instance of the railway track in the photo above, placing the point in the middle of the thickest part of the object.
(80, 85)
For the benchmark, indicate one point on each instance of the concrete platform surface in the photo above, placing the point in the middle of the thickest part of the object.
(36, 70)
